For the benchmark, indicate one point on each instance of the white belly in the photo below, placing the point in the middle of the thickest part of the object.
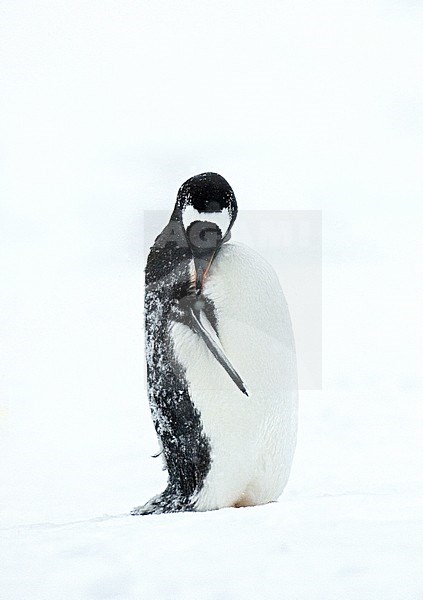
(252, 439)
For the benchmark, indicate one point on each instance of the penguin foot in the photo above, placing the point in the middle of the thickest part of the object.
(165, 502)
(143, 510)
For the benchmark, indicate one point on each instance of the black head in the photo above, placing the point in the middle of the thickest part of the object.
(207, 193)
(207, 208)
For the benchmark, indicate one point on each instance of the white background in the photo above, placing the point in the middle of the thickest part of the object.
(105, 109)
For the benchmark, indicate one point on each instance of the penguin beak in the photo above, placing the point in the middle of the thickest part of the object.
(203, 263)
(201, 325)
(205, 240)
(202, 268)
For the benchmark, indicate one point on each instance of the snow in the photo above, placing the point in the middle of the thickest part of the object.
(105, 110)
(310, 547)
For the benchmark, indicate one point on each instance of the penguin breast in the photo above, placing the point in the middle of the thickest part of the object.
(252, 438)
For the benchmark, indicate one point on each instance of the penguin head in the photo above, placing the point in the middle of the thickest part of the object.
(207, 208)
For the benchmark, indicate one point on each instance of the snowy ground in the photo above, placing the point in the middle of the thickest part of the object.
(345, 528)
(351, 546)
(105, 109)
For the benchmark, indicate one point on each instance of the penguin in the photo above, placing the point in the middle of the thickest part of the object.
(221, 362)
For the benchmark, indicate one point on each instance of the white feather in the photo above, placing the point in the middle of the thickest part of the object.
(222, 219)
